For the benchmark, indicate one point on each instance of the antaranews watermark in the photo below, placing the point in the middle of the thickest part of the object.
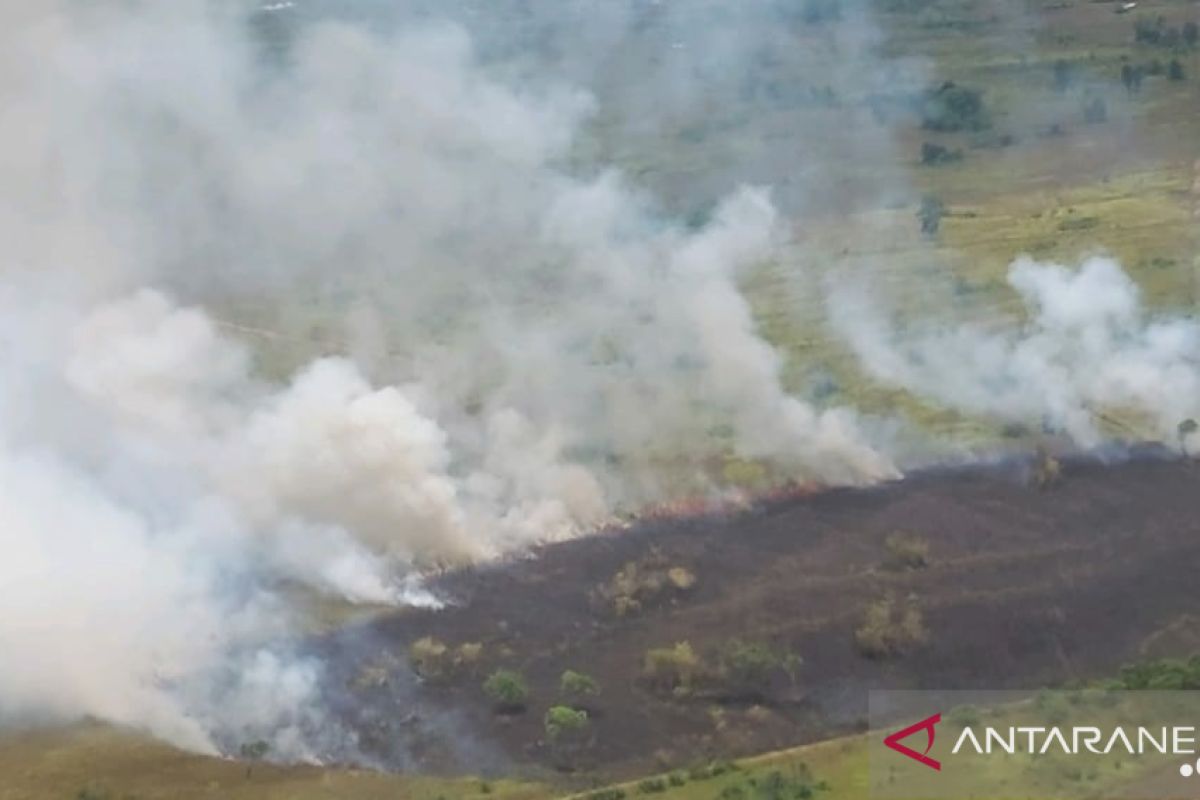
(1034, 745)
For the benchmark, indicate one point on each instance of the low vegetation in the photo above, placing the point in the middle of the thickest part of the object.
(673, 670)
(577, 685)
(889, 629)
(644, 583)
(507, 690)
(437, 662)
(747, 669)
(562, 722)
(906, 552)
(1168, 674)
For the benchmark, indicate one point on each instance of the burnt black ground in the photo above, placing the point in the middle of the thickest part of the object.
(1026, 588)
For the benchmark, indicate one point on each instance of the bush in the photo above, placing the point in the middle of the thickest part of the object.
(647, 581)
(907, 552)
(577, 684)
(507, 690)
(1164, 675)
(951, 107)
(433, 660)
(561, 721)
(887, 630)
(672, 669)
(747, 667)
(652, 785)
(430, 658)
(1175, 70)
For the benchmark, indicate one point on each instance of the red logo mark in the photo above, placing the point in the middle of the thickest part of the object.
(926, 725)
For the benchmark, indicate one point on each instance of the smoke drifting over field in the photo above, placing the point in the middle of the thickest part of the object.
(158, 488)
(1088, 346)
(530, 348)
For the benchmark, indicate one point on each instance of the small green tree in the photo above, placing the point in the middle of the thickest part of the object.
(507, 689)
(748, 667)
(1175, 70)
(577, 685)
(562, 722)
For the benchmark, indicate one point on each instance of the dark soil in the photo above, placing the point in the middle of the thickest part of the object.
(1025, 588)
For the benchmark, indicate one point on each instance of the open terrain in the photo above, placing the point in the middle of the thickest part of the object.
(1021, 587)
(996, 579)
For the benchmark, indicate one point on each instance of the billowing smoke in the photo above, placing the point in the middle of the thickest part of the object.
(1087, 351)
(506, 352)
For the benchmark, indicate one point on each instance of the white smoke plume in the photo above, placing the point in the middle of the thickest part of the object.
(530, 348)
(1086, 348)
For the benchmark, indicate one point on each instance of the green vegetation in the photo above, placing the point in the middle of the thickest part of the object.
(643, 583)
(577, 685)
(437, 662)
(747, 668)
(1164, 675)
(671, 669)
(507, 689)
(563, 721)
(889, 629)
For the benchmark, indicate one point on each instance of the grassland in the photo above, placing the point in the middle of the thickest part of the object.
(95, 762)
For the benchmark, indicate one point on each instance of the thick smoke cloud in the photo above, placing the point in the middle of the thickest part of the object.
(1087, 348)
(519, 352)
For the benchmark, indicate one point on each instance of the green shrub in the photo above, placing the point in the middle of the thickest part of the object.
(887, 630)
(563, 721)
(748, 667)
(507, 690)
(671, 668)
(577, 684)
(652, 785)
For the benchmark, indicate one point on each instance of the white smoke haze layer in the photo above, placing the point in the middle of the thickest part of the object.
(531, 348)
(1087, 347)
